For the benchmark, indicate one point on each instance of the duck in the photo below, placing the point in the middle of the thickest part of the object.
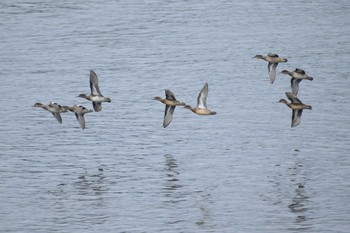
(297, 107)
(54, 108)
(96, 97)
(170, 104)
(297, 76)
(273, 60)
(201, 108)
(79, 113)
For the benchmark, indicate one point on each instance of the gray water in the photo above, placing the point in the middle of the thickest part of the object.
(242, 170)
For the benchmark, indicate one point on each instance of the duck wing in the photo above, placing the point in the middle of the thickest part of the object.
(271, 67)
(272, 55)
(57, 116)
(300, 71)
(97, 106)
(168, 115)
(292, 97)
(54, 105)
(81, 120)
(95, 90)
(294, 82)
(169, 95)
(296, 117)
(202, 97)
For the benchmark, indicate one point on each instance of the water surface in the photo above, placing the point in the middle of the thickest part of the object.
(242, 170)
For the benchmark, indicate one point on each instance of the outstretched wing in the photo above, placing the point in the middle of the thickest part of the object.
(57, 116)
(294, 82)
(271, 67)
(202, 97)
(169, 95)
(168, 115)
(95, 90)
(97, 106)
(296, 117)
(81, 120)
(293, 98)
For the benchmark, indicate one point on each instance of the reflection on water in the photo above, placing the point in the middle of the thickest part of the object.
(175, 195)
(290, 192)
(205, 202)
(172, 182)
(92, 184)
(299, 201)
(88, 192)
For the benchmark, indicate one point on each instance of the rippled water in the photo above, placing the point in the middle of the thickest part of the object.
(242, 170)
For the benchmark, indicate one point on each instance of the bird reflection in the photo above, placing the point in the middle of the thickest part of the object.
(205, 202)
(290, 193)
(297, 205)
(176, 194)
(91, 184)
(87, 192)
(171, 181)
(92, 189)
(172, 189)
(299, 201)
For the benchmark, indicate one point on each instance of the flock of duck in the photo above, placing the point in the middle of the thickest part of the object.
(297, 76)
(95, 96)
(273, 59)
(170, 101)
(97, 99)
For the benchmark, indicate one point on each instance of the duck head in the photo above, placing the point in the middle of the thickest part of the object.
(38, 105)
(259, 56)
(283, 101)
